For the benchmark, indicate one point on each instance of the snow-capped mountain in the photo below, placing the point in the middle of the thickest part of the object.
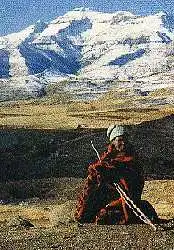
(84, 44)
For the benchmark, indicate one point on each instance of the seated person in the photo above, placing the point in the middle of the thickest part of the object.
(99, 201)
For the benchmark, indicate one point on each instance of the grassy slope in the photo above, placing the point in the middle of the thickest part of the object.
(46, 113)
(49, 114)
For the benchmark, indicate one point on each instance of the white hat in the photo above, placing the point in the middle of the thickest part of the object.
(114, 131)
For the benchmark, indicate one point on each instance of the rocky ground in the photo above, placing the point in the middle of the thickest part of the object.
(49, 223)
(42, 173)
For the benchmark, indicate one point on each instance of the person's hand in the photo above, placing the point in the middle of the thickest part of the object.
(103, 211)
(107, 207)
(104, 165)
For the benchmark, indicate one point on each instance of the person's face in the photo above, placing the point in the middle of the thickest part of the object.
(119, 143)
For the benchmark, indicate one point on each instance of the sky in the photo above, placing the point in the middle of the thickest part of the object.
(16, 15)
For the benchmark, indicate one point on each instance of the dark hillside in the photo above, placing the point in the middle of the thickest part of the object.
(27, 154)
(37, 154)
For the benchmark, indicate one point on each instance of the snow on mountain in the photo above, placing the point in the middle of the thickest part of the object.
(85, 44)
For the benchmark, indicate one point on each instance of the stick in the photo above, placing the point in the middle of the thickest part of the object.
(96, 151)
(134, 208)
(128, 201)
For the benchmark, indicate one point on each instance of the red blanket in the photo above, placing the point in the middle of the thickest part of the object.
(99, 201)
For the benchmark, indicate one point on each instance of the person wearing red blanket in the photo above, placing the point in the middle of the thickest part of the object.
(99, 201)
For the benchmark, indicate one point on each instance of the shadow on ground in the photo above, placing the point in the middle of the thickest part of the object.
(28, 155)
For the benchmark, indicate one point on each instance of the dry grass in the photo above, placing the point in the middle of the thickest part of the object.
(122, 116)
(162, 92)
(28, 114)
(55, 228)
(37, 116)
(37, 215)
(159, 193)
(53, 112)
(51, 115)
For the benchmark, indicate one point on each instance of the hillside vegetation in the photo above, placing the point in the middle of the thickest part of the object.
(45, 149)
(51, 111)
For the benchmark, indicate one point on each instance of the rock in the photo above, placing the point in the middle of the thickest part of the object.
(18, 222)
(81, 126)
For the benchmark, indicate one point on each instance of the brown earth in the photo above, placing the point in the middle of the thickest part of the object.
(43, 171)
(55, 228)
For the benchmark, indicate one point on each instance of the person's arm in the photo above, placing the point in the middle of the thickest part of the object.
(87, 203)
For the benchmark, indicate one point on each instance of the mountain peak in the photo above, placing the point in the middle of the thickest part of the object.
(92, 45)
(81, 9)
(40, 26)
(161, 14)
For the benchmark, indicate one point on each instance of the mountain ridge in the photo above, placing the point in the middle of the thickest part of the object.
(85, 44)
